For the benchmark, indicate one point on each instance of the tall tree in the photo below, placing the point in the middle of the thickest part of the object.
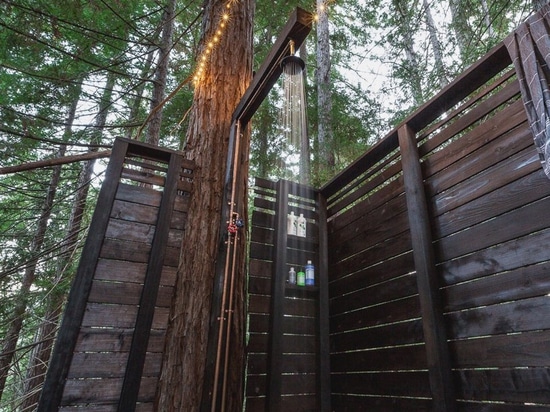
(161, 72)
(440, 71)
(43, 345)
(325, 133)
(217, 93)
(16, 323)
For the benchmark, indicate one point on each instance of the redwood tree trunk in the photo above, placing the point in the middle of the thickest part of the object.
(218, 91)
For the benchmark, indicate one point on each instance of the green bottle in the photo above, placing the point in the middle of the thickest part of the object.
(301, 278)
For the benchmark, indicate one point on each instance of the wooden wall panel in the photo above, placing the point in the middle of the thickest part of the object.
(130, 279)
(298, 330)
(487, 202)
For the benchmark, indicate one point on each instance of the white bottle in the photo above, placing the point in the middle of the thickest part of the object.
(301, 221)
(291, 224)
(292, 276)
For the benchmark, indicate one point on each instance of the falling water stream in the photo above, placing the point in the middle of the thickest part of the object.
(294, 121)
(299, 304)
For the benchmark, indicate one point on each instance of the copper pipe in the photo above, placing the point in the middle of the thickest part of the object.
(228, 325)
(226, 271)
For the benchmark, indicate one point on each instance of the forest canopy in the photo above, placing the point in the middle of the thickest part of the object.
(76, 75)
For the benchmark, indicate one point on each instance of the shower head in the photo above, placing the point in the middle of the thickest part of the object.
(293, 62)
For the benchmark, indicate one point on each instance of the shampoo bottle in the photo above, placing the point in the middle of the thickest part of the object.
(292, 276)
(291, 224)
(310, 274)
(301, 225)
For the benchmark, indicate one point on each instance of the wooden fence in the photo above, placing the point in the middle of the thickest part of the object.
(439, 259)
(437, 265)
(288, 324)
(109, 348)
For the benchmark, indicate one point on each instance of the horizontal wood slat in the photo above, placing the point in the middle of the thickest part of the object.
(142, 215)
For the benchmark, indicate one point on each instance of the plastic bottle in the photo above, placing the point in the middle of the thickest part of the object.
(292, 276)
(301, 231)
(310, 274)
(301, 278)
(291, 224)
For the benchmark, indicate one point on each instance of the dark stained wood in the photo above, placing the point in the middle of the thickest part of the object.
(395, 334)
(354, 403)
(525, 251)
(293, 384)
(512, 225)
(280, 270)
(404, 309)
(136, 252)
(102, 391)
(518, 193)
(472, 116)
(505, 385)
(120, 270)
(516, 316)
(138, 194)
(119, 316)
(260, 285)
(261, 251)
(411, 384)
(515, 167)
(439, 363)
(143, 177)
(384, 175)
(368, 232)
(131, 231)
(521, 283)
(75, 308)
(259, 343)
(479, 73)
(398, 288)
(482, 160)
(297, 28)
(507, 119)
(108, 365)
(367, 275)
(384, 359)
(136, 360)
(529, 349)
(381, 252)
(324, 313)
(485, 90)
(260, 268)
(375, 154)
(134, 212)
(114, 340)
(358, 215)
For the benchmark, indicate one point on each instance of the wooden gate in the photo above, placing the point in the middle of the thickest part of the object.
(109, 349)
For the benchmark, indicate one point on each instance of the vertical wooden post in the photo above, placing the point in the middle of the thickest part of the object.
(273, 400)
(324, 344)
(437, 350)
(146, 310)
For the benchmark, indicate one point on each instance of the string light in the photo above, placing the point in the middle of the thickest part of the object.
(211, 44)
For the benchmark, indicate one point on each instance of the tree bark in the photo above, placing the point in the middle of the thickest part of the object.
(325, 133)
(218, 91)
(161, 73)
(487, 18)
(436, 45)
